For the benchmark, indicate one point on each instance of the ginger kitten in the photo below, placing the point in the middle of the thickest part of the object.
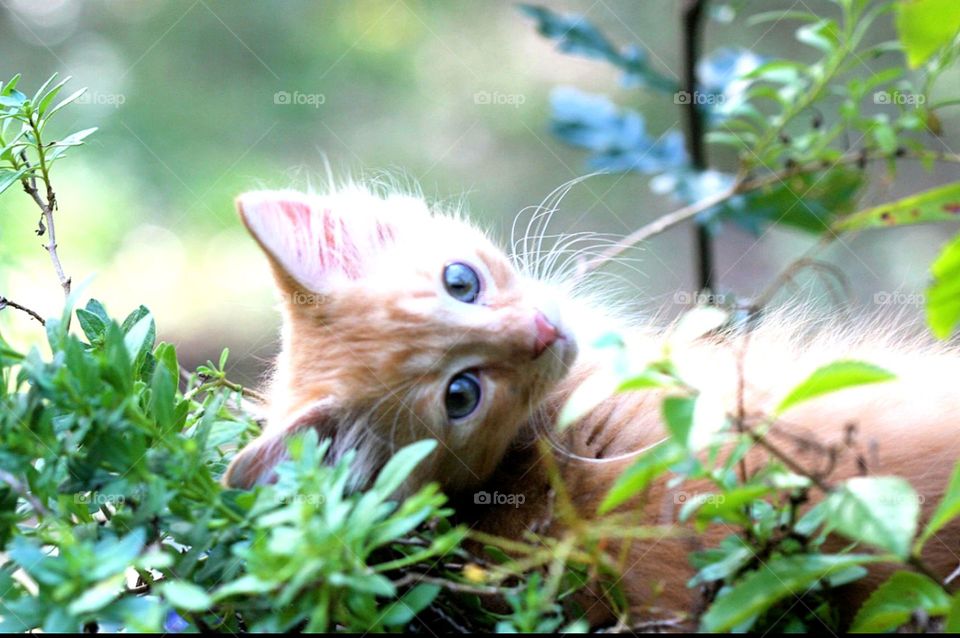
(401, 324)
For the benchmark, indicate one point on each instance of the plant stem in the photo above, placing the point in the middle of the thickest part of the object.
(691, 33)
(47, 207)
(24, 492)
(4, 302)
(740, 186)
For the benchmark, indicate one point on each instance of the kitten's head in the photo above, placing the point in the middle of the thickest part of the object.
(399, 325)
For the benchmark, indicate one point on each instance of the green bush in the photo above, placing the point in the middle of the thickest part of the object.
(112, 514)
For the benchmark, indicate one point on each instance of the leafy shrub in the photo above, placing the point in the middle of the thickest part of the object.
(112, 515)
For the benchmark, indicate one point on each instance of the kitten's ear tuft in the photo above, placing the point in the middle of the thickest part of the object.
(255, 463)
(313, 241)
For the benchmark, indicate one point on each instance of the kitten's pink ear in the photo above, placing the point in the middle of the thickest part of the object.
(254, 464)
(314, 241)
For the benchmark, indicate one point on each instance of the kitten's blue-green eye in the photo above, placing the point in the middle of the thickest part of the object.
(463, 395)
(462, 282)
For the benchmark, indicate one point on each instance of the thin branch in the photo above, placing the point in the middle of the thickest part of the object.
(4, 302)
(655, 227)
(20, 489)
(47, 207)
(740, 186)
(787, 460)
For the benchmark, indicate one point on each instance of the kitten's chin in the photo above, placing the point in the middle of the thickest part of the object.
(562, 355)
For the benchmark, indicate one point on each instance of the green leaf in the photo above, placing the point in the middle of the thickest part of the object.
(925, 26)
(727, 506)
(678, 416)
(721, 562)
(139, 338)
(398, 468)
(947, 510)
(823, 35)
(832, 377)
(116, 555)
(808, 202)
(934, 205)
(651, 464)
(943, 295)
(775, 580)
(43, 103)
(694, 421)
(880, 511)
(894, 602)
(60, 147)
(953, 616)
(9, 177)
(162, 399)
(91, 324)
(248, 584)
(65, 101)
(98, 596)
(184, 595)
(43, 87)
(410, 604)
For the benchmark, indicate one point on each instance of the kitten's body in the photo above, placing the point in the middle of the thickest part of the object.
(905, 427)
(372, 341)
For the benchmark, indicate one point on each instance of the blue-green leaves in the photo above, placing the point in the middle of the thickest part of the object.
(576, 35)
(617, 137)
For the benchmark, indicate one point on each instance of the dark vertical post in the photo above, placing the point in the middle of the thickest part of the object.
(693, 115)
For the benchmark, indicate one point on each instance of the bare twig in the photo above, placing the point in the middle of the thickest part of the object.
(655, 227)
(47, 207)
(23, 491)
(787, 460)
(740, 186)
(4, 303)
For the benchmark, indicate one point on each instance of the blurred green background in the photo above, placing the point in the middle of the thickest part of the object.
(199, 100)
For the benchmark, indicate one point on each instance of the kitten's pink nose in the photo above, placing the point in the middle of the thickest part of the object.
(547, 334)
